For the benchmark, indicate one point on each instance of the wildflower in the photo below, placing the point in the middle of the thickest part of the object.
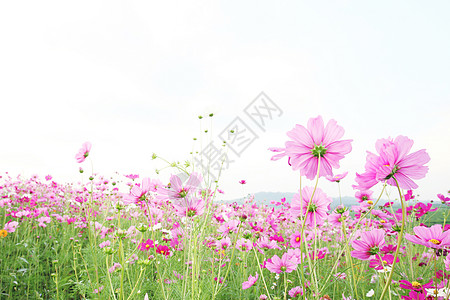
(394, 161)
(242, 182)
(177, 191)
(83, 153)
(263, 297)
(190, 207)
(415, 285)
(145, 246)
(115, 267)
(3, 233)
(317, 212)
(336, 178)
(444, 200)
(369, 244)
(364, 196)
(250, 282)
(308, 144)
(296, 239)
(415, 296)
(163, 249)
(370, 293)
(432, 237)
(104, 244)
(283, 264)
(11, 226)
(294, 292)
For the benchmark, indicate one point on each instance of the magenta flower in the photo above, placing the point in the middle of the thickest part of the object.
(284, 264)
(145, 246)
(432, 237)
(317, 212)
(394, 161)
(308, 144)
(250, 282)
(242, 182)
(369, 244)
(83, 152)
(415, 296)
(414, 286)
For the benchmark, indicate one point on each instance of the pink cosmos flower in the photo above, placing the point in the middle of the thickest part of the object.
(444, 200)
(296, 239)
(250, 282)
(284, 264)
(176, 189)
(244, 245)
(145, 246)
(317, 212)
(432, 237)
(294, 292)
(336, 178)
(11, 226)
(83, 152)
(415, 296)
(138, 193)
(163, 249)
(242, 182)
(369, 244)
(394, 161)
(308, 144)
(364, 196)
(414, 286)
(190, 207)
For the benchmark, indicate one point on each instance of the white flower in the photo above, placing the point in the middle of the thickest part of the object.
(438, 292)
(370, 293)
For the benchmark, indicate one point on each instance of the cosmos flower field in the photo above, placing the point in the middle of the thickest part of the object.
(136, 237)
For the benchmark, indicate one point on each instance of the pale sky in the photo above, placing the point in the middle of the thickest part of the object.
(132, 77)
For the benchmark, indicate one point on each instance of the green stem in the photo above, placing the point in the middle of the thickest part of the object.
(400, 237)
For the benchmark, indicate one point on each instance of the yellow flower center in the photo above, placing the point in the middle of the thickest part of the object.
(297, 239)
(382, 221)
(434, 241)
(416, 285)
(370, 202)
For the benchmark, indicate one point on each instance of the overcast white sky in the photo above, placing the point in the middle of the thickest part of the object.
(132, 76)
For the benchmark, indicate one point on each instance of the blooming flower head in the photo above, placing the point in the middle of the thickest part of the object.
(177, 190)
(444, 200)
(336, 178)
(432, 237)
(294, 292)
(191, 207)
(163, 249)
(296, 239)
(250, 282)
(284, 264)
(392, 162)
(317, 212)
(83, 152)
(369, 244)
(242, 182)
(145, 246)
(314, 142)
